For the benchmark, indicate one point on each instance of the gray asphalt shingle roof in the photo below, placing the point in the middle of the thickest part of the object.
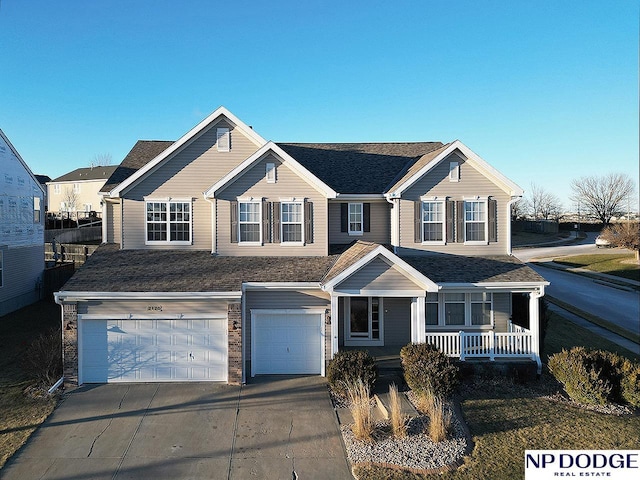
(88, 173)
(358, 168)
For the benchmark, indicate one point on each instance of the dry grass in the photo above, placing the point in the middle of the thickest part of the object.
(358, 394)
(398, 420)
(439, 421)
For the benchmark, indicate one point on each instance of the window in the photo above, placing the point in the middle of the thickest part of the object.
(454, 311)
(432, 309)
(365, 320)
(475, 221)
(459, 309)
(56, 189)
(168, 222)
(291, 222)
(355, 219)
(36, 210)
(454, 172)
(87, 207)
(480, 308)
(432, 221)
(223, 139)
(76, 188)
(249, 222)
(271, 172)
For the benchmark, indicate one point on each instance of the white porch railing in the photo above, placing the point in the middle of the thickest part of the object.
(487, 344)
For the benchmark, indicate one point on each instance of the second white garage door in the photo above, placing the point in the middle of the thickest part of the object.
(287, 342)
(152, 350)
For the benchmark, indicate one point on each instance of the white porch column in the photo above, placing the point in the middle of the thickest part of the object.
(334, 325)
(534, 326)
(103, 207)
(418, 322)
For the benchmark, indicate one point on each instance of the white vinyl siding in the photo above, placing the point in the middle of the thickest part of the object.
(433, 221)
(379, 221)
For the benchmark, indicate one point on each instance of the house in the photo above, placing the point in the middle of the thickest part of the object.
(227, 256)
(78, 191)
(21, 231)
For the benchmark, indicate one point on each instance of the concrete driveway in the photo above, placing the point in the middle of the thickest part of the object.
(274, 427)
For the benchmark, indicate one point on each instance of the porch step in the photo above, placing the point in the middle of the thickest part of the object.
(384, 405)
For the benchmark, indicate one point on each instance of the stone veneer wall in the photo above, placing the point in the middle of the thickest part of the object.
(70, 344)
(234, 319)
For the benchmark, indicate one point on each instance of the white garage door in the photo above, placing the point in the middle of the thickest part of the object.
(152, 350)
(287, 342)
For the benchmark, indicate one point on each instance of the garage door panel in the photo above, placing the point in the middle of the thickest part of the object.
(154, 350)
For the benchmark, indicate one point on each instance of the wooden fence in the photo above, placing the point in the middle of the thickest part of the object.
(56, 276)
(68, 252)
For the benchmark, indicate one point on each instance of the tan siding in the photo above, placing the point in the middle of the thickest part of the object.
(397, 321)
(140, 307)
(88, 194)
(271, 300)
(114, 222)
(377, 275)
(436, 183)
(288, 185)
(380, 225)
(501, 311)
(22, 269)
(187, 174)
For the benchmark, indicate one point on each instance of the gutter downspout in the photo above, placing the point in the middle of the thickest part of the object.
(509, 203)
(213, 223)
(61, 380)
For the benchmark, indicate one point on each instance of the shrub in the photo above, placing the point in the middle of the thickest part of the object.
(587, 375)
(358, 394)
(42, 359)
(398, 420)
(349, 366)
(630, 383)
(428, 369)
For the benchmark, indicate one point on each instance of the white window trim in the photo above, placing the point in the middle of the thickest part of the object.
(355, 341)
(270, 172)
(454, 171)
(259, 203)
(56, 189)
(168, 241)
(443, 222)
(355, 232)
(76, 188)
(484, 200)
(290, 201)
(467, 312)
(220, 133)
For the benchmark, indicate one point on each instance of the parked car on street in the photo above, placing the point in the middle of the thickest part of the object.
(602, 242)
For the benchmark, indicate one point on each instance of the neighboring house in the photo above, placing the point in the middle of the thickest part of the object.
(42, 180)
(228, 256)
(78, 191)
(21, 231)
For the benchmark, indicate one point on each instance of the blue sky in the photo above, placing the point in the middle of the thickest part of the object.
(545, 91)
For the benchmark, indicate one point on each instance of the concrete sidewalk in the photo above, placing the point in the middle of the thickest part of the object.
(268, 429)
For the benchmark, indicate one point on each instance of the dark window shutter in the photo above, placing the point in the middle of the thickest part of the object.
(344, 217)
(234, 221)
(460, 221)
(366, 217)
(276, 222)
(450, 223)
(417, 221)
(266, 222)
(493, 220)
(308, 222)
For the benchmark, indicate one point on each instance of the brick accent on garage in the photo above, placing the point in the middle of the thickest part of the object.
(234, 317)
(70, 344)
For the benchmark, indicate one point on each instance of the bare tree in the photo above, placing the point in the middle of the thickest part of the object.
(624, 234)
(101, 160)
(544, 205)
(519, 209)
(70, 199)
(603, 197)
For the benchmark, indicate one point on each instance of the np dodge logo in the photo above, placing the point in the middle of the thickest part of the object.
(611, 464)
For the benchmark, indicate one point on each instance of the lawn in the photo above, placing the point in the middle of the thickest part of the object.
(20, 412)
(618, 264)
(506, 418)
(530, 238)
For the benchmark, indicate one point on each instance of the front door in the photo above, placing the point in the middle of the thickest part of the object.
(364, 321)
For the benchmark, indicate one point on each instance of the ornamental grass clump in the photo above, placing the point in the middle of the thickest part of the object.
(439, 420)
(360, 408)
(398, 420)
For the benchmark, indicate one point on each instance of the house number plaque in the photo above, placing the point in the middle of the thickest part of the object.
(154, 308)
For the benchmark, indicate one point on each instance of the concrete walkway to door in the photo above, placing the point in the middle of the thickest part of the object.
(275, 427)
